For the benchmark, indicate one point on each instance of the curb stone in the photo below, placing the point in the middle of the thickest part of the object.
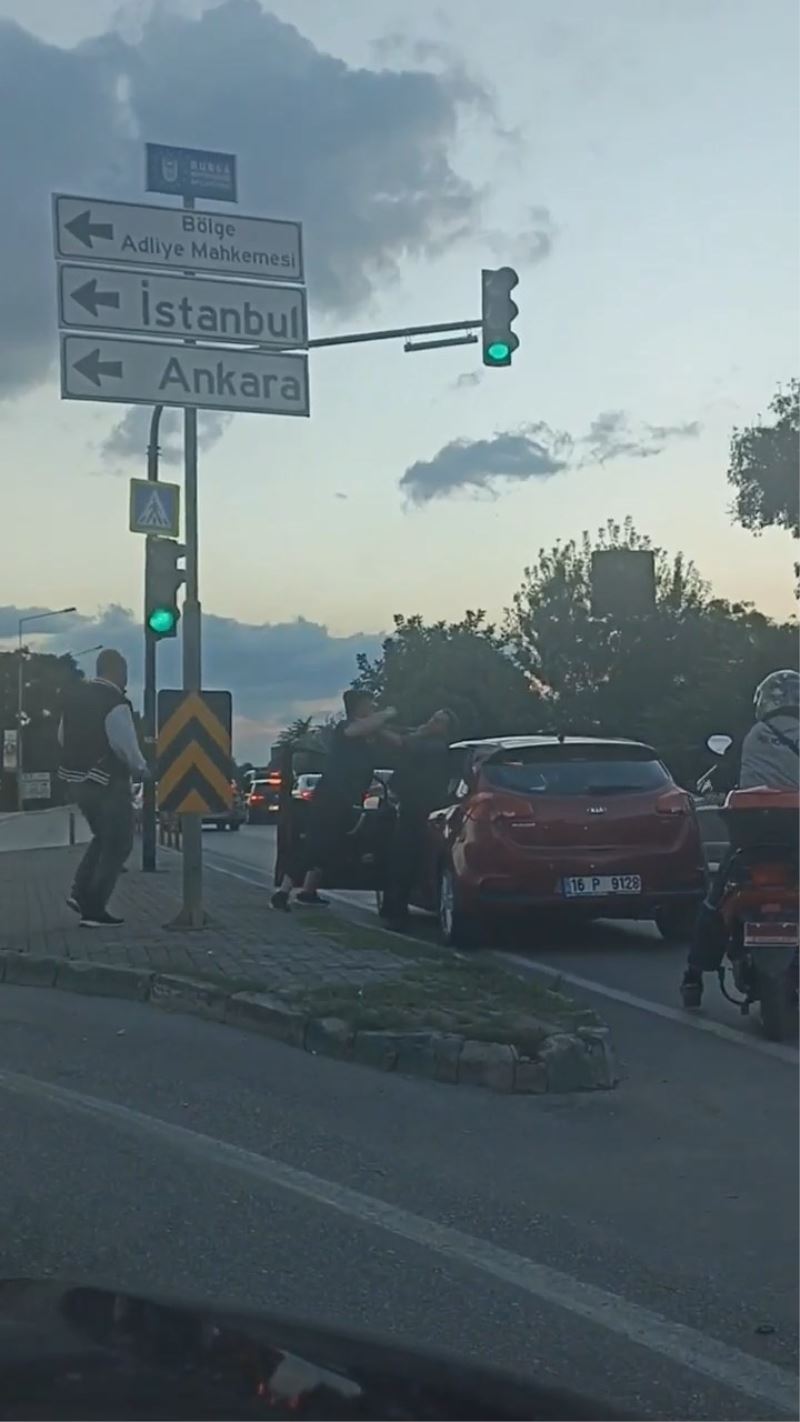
(583, 1060)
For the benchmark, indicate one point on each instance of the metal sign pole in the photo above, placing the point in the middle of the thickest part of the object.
(149, 789)
(192, 915)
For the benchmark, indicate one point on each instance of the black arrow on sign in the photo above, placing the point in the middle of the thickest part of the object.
(93, 367)
(91, 299)
(84, 229)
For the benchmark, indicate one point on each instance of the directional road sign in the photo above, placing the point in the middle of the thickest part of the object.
(191, 172)
(154, 304)
(155, 508)
(166, 373)
(194, 752)
(138, 235)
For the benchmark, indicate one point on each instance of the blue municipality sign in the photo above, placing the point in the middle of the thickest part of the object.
(155, 508)
(191, 172)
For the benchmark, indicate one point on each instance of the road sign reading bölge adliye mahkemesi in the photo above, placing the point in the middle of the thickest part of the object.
(155, 508)
(166, 373)
(140, 235)
(170, 304)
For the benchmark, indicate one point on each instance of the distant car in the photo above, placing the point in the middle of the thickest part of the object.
(304, 787)
(263, 799)
(229, 819)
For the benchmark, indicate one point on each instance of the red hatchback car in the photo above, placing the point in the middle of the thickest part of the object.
(592, 827)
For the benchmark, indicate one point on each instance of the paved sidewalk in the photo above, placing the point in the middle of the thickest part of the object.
(247, 940)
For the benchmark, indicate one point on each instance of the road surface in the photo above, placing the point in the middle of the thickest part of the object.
(630, 975)
(638, 1244)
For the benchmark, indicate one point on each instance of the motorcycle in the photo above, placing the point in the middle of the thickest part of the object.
(759, 905)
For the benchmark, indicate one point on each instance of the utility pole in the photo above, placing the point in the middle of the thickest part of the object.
(149, 789)
(192, 914)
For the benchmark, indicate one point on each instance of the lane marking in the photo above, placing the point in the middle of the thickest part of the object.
(677, 1342)
(778, 1050)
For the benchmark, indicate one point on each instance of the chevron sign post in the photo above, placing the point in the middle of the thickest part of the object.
(194, 752)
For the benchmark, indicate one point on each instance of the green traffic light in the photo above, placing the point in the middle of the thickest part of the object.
(161, 620)
(498, 351)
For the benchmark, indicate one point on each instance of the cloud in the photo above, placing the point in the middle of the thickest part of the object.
(129, 438)
(362, 156)
(468, 379)
(610, 437)
(534, 452)
(532, 242)
(274, 670)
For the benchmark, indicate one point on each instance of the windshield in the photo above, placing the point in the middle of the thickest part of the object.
(571, 772)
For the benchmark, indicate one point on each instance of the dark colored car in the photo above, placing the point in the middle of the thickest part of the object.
(263, 799)
(597, 828)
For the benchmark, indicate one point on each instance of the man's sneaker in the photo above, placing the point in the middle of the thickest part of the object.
(280, 901)
(72, 903)
(100, 920)
(311, 900)
(692, 989)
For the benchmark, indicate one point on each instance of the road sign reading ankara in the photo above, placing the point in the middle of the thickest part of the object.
(194, 752)
(168, 373)
(139, 235)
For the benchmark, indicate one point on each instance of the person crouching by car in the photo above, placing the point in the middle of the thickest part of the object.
(419, 786)
(349, 767)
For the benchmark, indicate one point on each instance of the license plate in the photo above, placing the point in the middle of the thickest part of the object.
(589, 886)
(770, 935)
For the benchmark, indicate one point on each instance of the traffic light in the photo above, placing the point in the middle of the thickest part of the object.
(163, 577)
(497, 313)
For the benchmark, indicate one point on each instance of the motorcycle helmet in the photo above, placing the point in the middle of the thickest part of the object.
(780, 691)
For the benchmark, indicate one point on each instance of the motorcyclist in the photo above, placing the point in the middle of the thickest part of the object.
(770, 757)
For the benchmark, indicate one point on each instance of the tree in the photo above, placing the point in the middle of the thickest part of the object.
(670, 677)
(763, 467)
(464, 665)
(295, 731)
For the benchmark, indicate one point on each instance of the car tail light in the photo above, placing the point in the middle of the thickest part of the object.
(274, 782)
(306, 795)
(674, 802)
(256, 799)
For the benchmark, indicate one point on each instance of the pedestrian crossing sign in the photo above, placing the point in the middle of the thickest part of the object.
(155, 508)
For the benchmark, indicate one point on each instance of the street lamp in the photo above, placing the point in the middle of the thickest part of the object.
(32, 617)
(84, 653)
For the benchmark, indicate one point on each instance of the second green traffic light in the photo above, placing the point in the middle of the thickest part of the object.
(497, 313)
(163, 578)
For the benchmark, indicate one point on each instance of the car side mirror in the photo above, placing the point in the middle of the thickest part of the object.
(718, 745)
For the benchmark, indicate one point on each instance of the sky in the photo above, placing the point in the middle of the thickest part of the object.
(636, 161)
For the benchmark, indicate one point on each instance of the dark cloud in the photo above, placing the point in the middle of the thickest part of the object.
(361, 156)
(611, 436)
(129, 438)
(535, 453)
(275, 670)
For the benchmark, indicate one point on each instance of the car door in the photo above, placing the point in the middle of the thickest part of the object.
(359, 854)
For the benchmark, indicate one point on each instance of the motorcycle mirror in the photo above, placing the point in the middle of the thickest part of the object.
(718, 745)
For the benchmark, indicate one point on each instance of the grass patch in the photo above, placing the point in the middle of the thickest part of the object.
(476, 998)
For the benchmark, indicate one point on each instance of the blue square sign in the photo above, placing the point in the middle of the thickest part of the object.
(191, 172)
(155, 508)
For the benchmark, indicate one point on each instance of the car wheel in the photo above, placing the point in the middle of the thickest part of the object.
(676, 924)
(778, 1005)
(233, 825)
(456, 928)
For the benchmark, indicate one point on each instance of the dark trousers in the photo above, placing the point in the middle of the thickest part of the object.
(709, 938)
(404, 859)
(109, 814)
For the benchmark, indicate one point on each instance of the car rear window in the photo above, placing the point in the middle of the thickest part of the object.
(576, 770)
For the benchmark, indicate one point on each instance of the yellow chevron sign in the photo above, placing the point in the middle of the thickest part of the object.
(194, 752)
